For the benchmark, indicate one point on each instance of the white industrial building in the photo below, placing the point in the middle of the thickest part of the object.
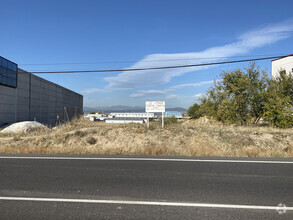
(283, 63)
(133, 115)
(95, 117)
(174, 114)
(129, 117)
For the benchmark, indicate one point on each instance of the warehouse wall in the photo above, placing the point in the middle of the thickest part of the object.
(285, 63)
(37, 99)
(7, 104)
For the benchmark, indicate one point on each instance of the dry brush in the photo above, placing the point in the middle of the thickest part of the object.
(202, 137)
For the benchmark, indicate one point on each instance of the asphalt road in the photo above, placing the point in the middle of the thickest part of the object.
(120, 188)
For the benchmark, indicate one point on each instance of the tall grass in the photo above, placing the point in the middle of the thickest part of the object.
(191, 138)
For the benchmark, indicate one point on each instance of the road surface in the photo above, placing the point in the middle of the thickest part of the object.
(97, 187)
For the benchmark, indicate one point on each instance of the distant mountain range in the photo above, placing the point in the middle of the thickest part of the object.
(123, 108)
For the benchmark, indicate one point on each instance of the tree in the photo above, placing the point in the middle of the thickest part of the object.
(278, 109)
(259, 81)
(194, 111)
(285, 81)
(245, 96)
(238, 97)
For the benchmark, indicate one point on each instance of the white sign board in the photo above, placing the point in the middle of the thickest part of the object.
(155, 106)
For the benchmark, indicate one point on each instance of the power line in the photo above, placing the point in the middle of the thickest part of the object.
(131, 61)
(157, 68)
(149, 68)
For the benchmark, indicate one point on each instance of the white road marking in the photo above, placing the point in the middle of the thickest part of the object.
(147, 159)
(149, 203)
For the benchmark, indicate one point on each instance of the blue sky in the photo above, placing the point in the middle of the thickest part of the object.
(115, 34)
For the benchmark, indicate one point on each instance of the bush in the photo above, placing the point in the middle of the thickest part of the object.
(80, 133)
(244, 96)
(91, 141)
(169, 120)
(194, 111)
(238, 97)
(279, 104)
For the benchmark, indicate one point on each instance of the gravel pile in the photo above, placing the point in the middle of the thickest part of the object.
(24, 126)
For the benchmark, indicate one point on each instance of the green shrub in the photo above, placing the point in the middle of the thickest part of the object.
(169, 120)
(245, 96)
(194, 111)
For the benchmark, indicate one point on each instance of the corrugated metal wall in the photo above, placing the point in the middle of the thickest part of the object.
(37, 99)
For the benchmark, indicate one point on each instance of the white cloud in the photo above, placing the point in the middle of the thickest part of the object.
(245, 43)
(198, 95)
(192, 84)
(137, 95)
(153, 92)
(147, 93)
(92, 90)
(172, 96)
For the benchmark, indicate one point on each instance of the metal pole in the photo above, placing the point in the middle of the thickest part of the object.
(148, 121)
(162, 119)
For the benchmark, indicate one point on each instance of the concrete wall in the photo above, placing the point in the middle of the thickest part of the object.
(37, 99)
(285, 63)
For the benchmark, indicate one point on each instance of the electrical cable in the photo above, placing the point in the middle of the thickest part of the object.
(157, 68)
(152, 68)
(132, 61)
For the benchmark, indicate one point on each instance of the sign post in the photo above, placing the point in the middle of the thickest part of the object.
(162, 119)
(155, 106)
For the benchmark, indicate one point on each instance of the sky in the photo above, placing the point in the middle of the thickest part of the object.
(114, 34)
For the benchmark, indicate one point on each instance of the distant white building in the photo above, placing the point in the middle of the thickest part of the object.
(94, 117)
(175, 114)
(132, 115)
(129, 117)
(283, 63)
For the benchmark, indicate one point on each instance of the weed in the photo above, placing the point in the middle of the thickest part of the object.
(80, 133)
(140, 130)
(16, 138)
(201, 137)
(91, 141)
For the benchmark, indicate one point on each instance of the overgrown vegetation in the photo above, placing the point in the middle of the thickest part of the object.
(240, 97)
(169, 120)
(243, 97)
(195, 111)
(201, 137)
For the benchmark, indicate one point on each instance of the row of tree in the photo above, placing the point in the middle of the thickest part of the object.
(245, 96)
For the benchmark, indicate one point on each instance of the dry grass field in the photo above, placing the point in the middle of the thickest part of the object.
(200, 137)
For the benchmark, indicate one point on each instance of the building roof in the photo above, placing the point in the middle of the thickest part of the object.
(8, 60)
(131, 113)
(282, 57)
(173, 113)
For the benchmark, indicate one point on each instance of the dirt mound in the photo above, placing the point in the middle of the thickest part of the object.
(201, 121)
(24, 126)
